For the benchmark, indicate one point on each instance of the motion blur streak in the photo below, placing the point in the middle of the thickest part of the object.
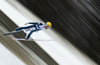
(77, 20)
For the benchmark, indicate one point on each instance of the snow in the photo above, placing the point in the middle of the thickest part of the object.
(8, 58)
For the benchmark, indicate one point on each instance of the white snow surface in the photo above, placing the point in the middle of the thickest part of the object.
(8, 58)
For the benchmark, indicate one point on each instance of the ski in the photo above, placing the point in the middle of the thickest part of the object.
(23, 39)
(9, 33)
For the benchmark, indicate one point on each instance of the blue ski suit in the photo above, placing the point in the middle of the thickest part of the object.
(36, 25)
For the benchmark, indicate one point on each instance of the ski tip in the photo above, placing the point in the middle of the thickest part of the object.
(14, 38)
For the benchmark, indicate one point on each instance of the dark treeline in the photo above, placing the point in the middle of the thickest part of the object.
(77, 20)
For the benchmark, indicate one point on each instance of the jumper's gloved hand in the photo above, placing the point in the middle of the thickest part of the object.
(26, 23)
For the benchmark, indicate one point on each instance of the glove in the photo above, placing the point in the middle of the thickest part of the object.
(26, 23)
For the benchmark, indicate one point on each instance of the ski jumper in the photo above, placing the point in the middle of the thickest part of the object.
(37, 26)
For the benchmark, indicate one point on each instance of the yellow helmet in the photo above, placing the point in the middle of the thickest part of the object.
(49, 24)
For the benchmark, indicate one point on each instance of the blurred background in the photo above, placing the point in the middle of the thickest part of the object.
(74, 21)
